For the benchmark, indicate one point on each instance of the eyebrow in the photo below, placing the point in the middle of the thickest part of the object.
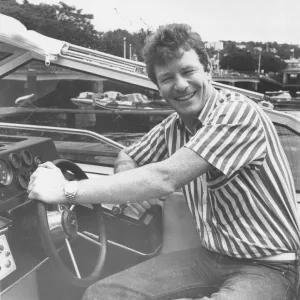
(164, 75)
(188, 67)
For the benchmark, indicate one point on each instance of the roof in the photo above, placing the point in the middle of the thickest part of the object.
(14, 33)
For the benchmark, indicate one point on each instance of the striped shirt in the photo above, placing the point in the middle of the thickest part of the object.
(245, 206)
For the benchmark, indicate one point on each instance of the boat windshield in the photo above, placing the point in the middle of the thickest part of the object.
(61, 102)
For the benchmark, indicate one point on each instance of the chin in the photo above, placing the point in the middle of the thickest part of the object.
(191, 110)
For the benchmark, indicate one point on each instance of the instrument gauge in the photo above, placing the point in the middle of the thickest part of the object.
(6, 173)
(15, 160)
(27, 157)
(23, 180)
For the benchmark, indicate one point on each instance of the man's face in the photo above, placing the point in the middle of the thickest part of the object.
(184, 84)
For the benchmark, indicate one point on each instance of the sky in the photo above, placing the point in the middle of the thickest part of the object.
(214, 20)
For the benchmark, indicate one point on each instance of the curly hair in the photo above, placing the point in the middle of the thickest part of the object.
(165, 43)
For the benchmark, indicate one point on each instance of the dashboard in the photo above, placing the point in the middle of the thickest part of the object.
(19, 157)
(131, 239)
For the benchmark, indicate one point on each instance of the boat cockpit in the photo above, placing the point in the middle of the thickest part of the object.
(56, 252)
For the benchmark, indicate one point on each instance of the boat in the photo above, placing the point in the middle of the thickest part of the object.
(116, 100)
(282, 101)
(279, 95)
(40, 259)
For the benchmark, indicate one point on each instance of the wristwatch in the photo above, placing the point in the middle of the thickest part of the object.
(71, 189)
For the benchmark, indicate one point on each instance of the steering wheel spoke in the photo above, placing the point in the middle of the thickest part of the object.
(63, 222)
(87, 236)
(72, 258)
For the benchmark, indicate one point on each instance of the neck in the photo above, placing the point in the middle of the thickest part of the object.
(190, 122)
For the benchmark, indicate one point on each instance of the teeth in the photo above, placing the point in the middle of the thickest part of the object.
(185, 97)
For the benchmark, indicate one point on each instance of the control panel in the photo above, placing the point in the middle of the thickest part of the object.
(7, 263)
(19, 158)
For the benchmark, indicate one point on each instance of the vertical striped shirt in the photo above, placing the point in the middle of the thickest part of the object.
(245, 206)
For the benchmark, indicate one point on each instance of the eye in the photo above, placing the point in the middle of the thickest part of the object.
(165, 79)
(188, 72)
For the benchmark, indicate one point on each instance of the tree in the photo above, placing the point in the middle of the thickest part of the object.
(271, 62)
(60, 21)
(70, 24)
(112, 42)
(140, 38)
(239, 61)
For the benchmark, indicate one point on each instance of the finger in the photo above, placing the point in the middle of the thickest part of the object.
(48, 165)
(31, 194)
(32, 178)
(145, 204)
(162, 199)
(36, 173)
(152, 201)
(138, 207)
(135, 208)
(129, 210)
(156, 201)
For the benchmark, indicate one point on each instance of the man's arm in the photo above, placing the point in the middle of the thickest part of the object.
(146, 182)
(124, 162)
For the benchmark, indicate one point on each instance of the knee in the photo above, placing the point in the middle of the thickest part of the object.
(111, 291)
(97, 291)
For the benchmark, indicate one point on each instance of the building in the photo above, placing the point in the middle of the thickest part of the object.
(218, 46)
(291, 75)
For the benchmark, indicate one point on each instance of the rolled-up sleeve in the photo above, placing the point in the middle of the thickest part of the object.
(150, 148)
(231, 138)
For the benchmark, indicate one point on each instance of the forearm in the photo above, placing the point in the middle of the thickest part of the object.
(146, 182)
(155, 180)
(143, 183)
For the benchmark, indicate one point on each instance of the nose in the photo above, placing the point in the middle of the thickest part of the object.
(180, 84)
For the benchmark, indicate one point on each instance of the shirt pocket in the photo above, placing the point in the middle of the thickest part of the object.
(231, 205)
(216, 179)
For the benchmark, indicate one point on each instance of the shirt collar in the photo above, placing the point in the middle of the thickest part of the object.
(210, 104)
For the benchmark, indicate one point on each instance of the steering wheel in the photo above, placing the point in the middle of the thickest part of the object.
(62, 224)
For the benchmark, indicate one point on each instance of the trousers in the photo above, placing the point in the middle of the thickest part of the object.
(199, 274)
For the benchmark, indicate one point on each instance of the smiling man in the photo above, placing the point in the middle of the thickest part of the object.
(224, 153)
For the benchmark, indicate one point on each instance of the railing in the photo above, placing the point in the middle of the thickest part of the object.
(51, 129)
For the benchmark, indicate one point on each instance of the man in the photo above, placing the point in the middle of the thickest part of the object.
(224, 153)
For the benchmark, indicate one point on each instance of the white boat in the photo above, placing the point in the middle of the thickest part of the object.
(279, 95)
(119, 101)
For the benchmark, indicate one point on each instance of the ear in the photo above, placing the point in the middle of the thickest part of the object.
(158, 89)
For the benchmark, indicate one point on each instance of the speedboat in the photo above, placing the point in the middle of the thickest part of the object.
(56, 252)
(279, 95)
(119, 101)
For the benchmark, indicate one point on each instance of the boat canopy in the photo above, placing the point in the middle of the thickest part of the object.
(28, 44)
(13, 32)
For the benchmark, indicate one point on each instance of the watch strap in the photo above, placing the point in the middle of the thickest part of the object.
(71, 189)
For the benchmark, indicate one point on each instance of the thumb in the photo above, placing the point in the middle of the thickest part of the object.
(48, 165)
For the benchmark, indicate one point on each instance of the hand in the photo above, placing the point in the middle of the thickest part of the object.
(141, 207)
(47, 184)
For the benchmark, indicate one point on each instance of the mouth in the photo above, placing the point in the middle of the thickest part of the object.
(185, 97)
